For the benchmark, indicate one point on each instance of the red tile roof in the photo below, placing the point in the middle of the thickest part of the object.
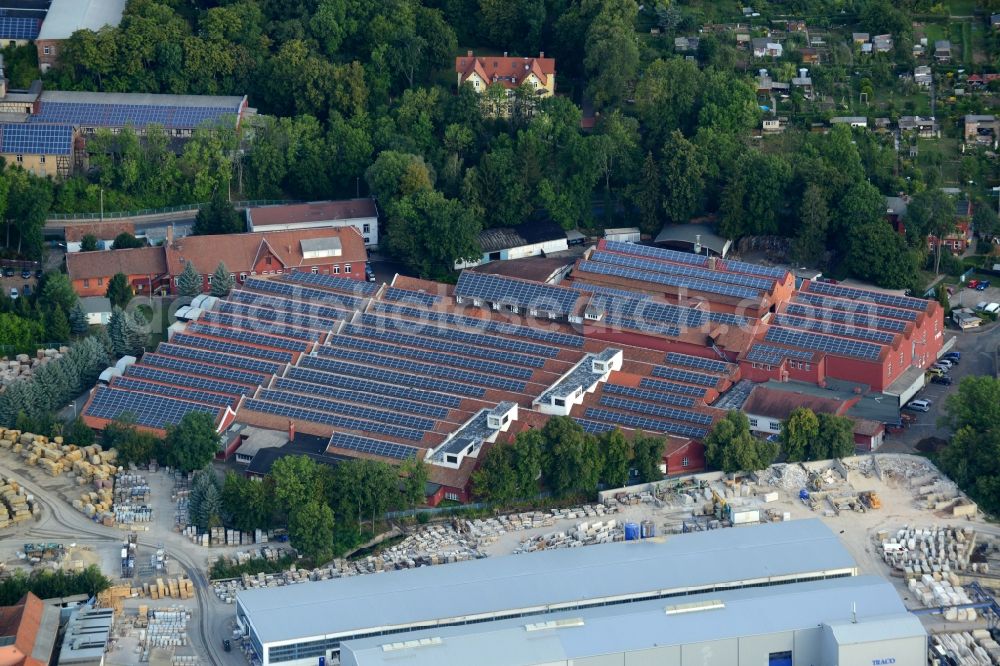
(23, 621)
(105, 263)
(315, 211)
(511, 72)
(777, 404)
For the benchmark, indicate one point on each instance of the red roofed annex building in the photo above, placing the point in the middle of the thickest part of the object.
(324, 251)
(28, 632)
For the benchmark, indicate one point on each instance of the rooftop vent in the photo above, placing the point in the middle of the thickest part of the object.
(695, 607)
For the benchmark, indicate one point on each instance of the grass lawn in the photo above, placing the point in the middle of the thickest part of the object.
(934, 32)
(961, 7)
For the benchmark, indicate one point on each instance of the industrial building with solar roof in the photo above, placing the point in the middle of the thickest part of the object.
(638, 338)
(775, 594)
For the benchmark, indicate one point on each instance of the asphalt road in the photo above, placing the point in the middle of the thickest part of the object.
(977, 346)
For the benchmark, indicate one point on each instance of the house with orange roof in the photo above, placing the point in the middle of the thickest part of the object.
(481, 72)
(28, 632)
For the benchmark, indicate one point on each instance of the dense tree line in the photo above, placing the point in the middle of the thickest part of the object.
(568, 461)
(809, 436)
(322, 507)
(188, 446)
(47, 584)
(972, 458)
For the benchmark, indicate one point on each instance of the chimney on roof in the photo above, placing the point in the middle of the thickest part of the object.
(712, 262)
(291, 430)
(504, 54)
(469, 53)
(541, 54)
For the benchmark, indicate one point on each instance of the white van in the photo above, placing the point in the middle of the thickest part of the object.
(992, 308)
(919, 405)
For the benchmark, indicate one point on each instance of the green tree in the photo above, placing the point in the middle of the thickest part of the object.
(647, 196)
(57, 291)
(118, 331)
(809, 246)
(56, 325)
(395, 174)
(975, 405)
(429, 233)
(190, 282)
(878, 254)
(192, 443)
(835, 438)
(205, 503)
(527, 460)
(414, 485)
(752, 200)
(495, 481)
(218, 216)
(222, 281)
(310, 529)
(648, 457)
(573, 461)
(79, 433)
(126, 241)
(247, 504)
(88, 243)
(611, 54)
(132, 445)
(731, 447)
(617, 459)
(941, 295)
(666, 98)
(119, 291)
(985, 220)
(972, 457)
(799, 433)
(683, 168)
(930, 213)
(295, 482)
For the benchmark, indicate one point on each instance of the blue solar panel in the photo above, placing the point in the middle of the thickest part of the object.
(509, 291)
(228, 355)
(694, 259)
(863, 309)
(471, 351)
(834, 329)
(594, 427)
(288, 305)
(627, 261)
(131, 384)
(206, 369)
(608, 291)
(413, 297)
(824, 343)
(903, 302)
(700, 363)
(249, 337)
(685, 376)
(112, 112)
(647, 394)
(35, 139)
(335, 420)
(374, 399)
(17, 27)
(302, 293)
(645, 423)
(502, 345)
(347, 285)
(471, 362)
(191, 381)
(358, 385)
(152, 411)
(400, 379)
(853, 318)
(274, 317)
(258, 326)
(671, 387)
(317, 403)
(616, 402)
(655, 328)
(343, 440)
(674, 281)
(423, 369)
(772, 355)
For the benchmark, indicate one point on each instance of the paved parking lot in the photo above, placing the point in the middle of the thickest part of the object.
(17, 282)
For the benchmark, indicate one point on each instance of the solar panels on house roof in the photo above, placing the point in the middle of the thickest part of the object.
(844, 317)
(361, 397)
(645, 423)
(831, 328)
(904, 302)
(772, 355)
(206, 369)
(16, 27)
(401, 379)
(335, 420)
(699, 363)
(694, 259)
(138, 110)
(674, 281)
(429, 342)
(677, 374)
(862, 309)
(471, 362)
(356, 384)
(206, 397)
(191, 381)
(230, 353)
(763, 284)
(406, 296)
(153, 411)
(617, 402)
(671, 387)
(824, 343)
(36, 139)
(609, 291)
(259, 326)
(324, 405)
(343, 440)
(282, 304)
(520, 293)
(390, 324)
(272, 316)
(348, 285)
(302, 293)
(648, 394)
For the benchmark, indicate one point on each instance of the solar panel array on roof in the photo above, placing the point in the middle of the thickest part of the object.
(230, 353)
(153, 411)
(671, 387)
(316, 403)
(617, 402)
(473, 363)
(643, 263)
(695, 259)
(272, 316)
(700, 363)
(360, 369)
(348, 285)
(140, 116)
(763, 353)
(444, 345)
(676, 282)
(860, 308)
(191, 381)
(824, 343)
(423, 369)
(479, 339)
(647, 394)
(904, 302)
(831, 328)
(853, 318)
(267, 328)
(206, 397)
(360, 397)
(209, 370)
(644, 326)
(645, 423)
(473, 324)
(16, 27)
(352, 383)
(343, 440)
(665, 372)
(302, 293)
(35, 139)
(406, 296)
(594, 427)
(249, 337)
(299, 413)
(507, 291)
(609, 291)
(288, 305)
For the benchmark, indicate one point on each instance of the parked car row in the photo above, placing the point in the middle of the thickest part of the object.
(938, 374)
(979, 285)
(26, 273)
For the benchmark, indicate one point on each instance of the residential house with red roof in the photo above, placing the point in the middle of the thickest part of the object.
(27, 632)
(512, 73)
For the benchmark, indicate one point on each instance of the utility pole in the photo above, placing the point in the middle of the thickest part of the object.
(102, 204)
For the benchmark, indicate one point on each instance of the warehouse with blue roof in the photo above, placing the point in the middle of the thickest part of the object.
(443, 611)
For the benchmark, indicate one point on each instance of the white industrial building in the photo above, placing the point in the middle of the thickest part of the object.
(297, 624)
(532, 239)
(361, 214)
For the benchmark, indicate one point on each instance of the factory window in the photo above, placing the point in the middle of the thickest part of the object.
(315, 270)
(780, 658)
(775, 426)
(366, 228)
(41, 159)
(347, 268)
(753, 423)
(685, 462)
(47, 50)
(336, 270)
